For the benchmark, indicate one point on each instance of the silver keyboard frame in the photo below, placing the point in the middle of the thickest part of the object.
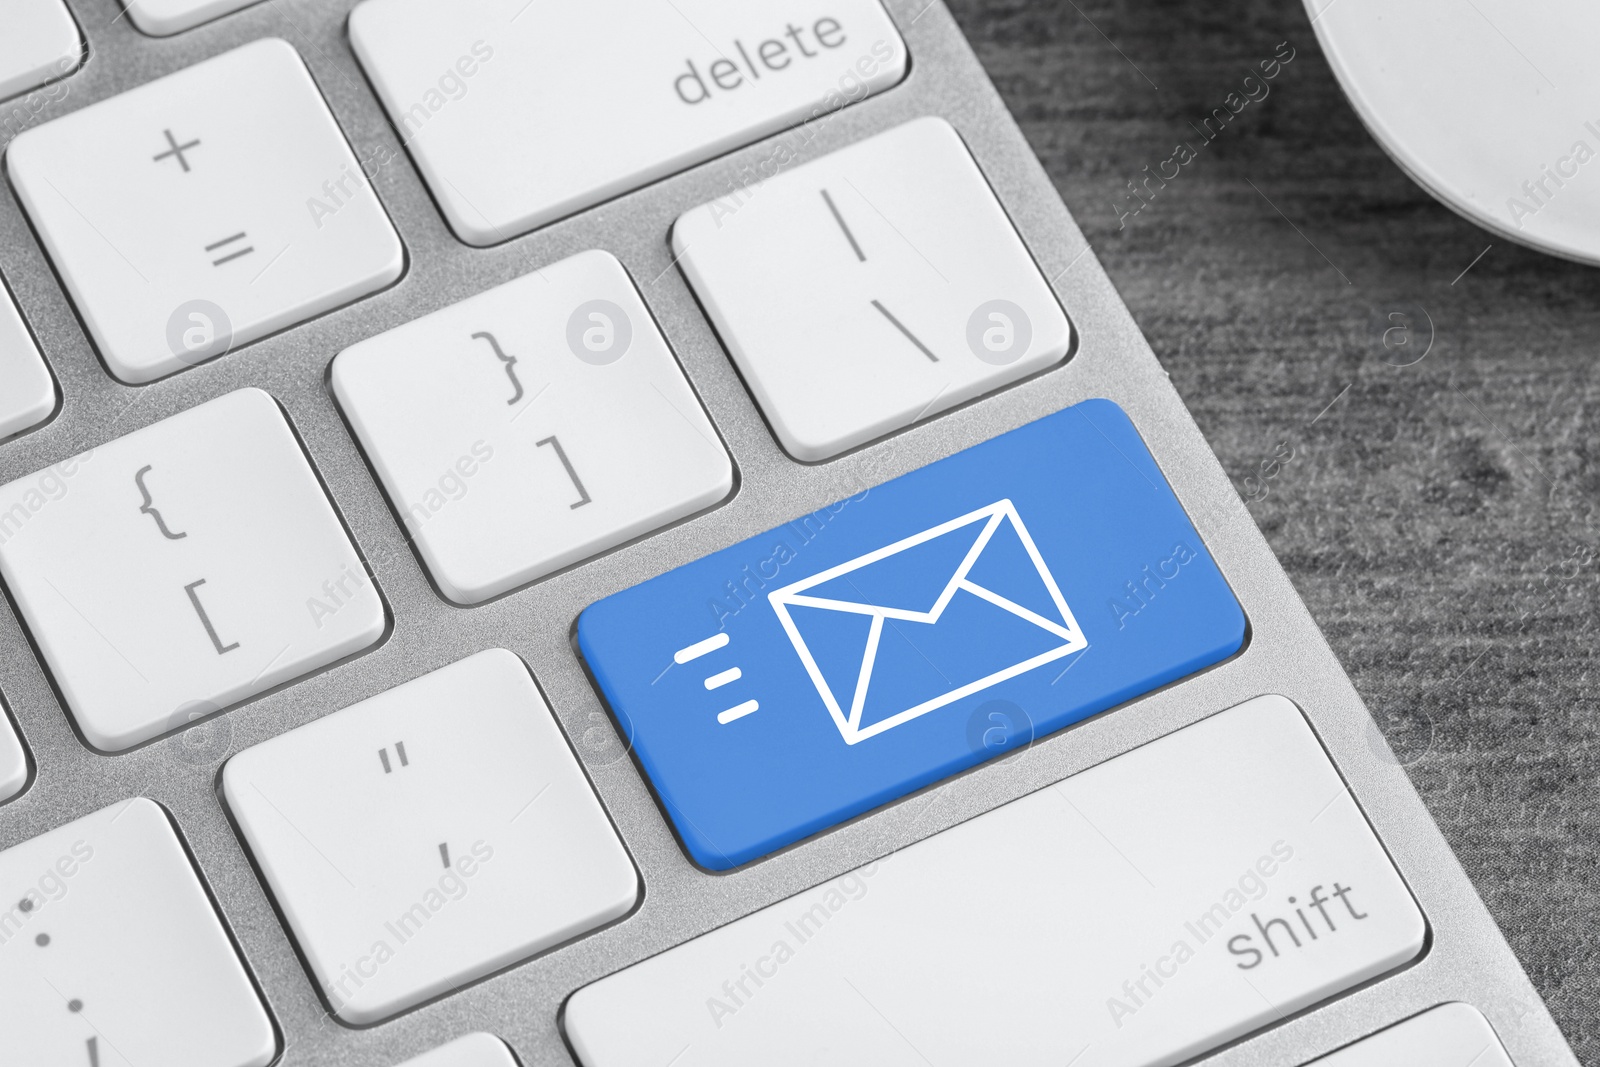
(1467, 958)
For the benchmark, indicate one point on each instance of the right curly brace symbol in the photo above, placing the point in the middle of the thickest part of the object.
(509, 361)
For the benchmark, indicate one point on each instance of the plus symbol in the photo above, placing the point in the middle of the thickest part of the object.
(176, 149)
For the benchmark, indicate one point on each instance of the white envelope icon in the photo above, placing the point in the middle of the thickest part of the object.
(999, 519)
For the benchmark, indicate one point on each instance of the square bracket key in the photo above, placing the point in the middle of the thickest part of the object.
(532, 426)
(188, 566)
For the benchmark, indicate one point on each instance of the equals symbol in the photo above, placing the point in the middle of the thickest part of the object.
(400, 750)
(245, 251)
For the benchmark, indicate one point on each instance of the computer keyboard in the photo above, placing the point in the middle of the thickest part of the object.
(639, 533)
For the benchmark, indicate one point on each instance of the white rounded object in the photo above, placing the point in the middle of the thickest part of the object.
(1493, 106)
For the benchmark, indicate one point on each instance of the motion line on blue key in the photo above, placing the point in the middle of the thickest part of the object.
(717, 681)
(737, 712)
(700, 648)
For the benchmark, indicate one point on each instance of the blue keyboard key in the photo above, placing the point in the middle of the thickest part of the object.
(856, 654)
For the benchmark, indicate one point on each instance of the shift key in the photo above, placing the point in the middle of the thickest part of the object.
(1140, 914)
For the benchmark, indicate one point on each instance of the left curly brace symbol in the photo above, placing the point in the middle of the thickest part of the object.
(147, 508)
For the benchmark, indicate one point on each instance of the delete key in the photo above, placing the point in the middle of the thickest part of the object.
(513, 111)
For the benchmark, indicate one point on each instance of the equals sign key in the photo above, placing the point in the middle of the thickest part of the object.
(232, 253)
(719, 679)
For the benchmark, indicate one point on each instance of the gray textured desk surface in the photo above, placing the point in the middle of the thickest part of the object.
(1441, 520)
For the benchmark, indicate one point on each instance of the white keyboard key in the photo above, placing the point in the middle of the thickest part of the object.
(13, 761)
(872, 287)
(185, 567)
(1135, 915)
(40, 42)
(531, 426)
(429, 836)
(27, 394)
(112, 956)
(517, 117)
(204, 210)
(473, 1050)
(161, 18)
(1451, 1035)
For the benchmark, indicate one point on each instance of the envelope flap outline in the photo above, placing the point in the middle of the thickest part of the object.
(993, 516)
